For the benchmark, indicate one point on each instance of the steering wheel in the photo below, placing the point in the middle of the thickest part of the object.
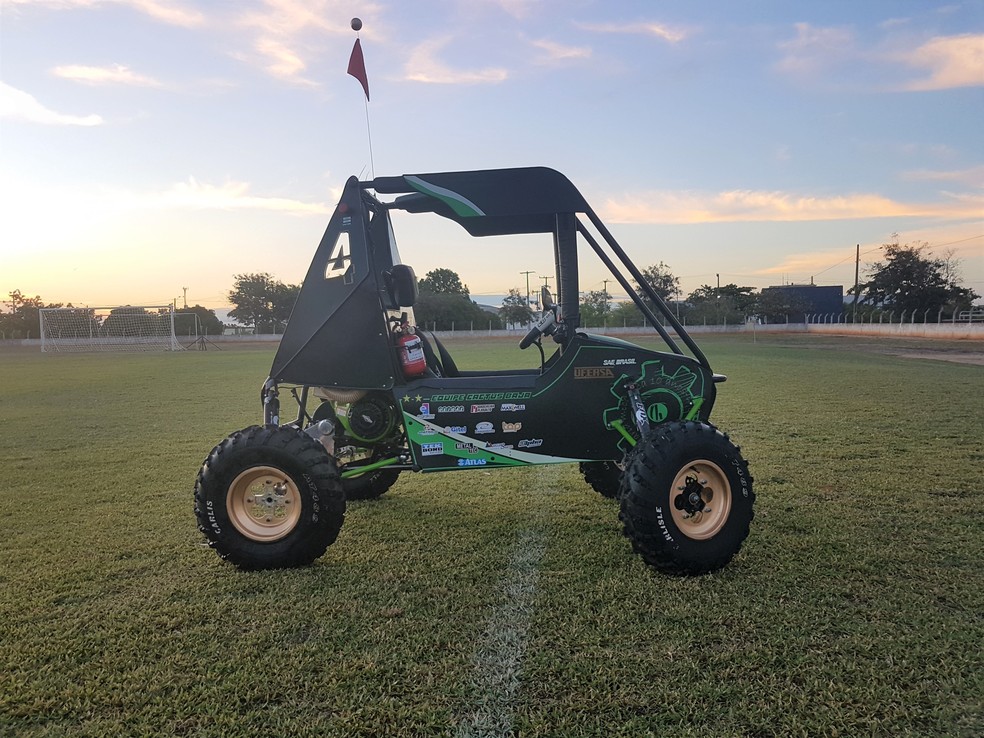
(547, 322)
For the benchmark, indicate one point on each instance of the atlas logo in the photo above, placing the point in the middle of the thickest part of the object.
(472, 462)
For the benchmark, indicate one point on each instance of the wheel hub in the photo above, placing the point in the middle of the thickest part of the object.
(695, 496)
(701, 496)
(263, 504)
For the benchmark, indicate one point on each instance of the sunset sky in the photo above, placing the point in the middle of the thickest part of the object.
(148, 146)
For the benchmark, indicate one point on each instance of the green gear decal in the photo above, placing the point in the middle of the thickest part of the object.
(667, 397)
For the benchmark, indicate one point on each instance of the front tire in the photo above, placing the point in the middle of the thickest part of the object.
(269, 497)
(687, 498)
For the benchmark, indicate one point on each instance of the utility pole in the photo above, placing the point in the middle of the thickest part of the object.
(185, 290)
(528, 286)
(857, 266)
(719, 280)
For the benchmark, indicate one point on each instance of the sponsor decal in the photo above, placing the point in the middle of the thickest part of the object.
(456, 429)
(498, 445)
(487, 408)
(593, 372)
(469, 447)
(619, 362)
(427, 431)
(485, 427)
(530, 443)
(451, 409)
(511, 407)
(511, 427)
(482, 397)
(425, 411)
(472, 462)
(431, 449)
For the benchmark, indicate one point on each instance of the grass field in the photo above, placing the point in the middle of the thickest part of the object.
(505, 602)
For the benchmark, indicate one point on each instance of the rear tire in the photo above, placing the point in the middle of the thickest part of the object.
(605, 477)
(369, 486)
(269, 497)
(687, 498)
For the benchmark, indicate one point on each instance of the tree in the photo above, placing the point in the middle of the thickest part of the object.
(729, 304)
(451, 312)
(442, 282)
(515, 309)
(626, 314)
(124, 321)
(595, 308)
(262, 301)
(284, 297)
(661, 279)
(22, 319)
(443, 304)
(775, 305)
(207, 324)
(910, 280)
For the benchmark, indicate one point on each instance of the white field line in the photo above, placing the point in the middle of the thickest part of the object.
(498, 658)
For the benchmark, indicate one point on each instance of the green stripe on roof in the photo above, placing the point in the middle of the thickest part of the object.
(460, 204)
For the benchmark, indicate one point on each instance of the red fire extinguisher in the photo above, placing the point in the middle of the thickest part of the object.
(411, 352)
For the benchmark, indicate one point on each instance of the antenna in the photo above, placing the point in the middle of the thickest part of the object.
(357, 68)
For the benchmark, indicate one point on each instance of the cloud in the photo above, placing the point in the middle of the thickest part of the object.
(194, 195)
(646, 28)
(974, 176)
(281, 60)
(556, 53)
(960, 242)
(165, 11)
(289, 33)
(19, 105)
(951, 61)
(115, 75)
(814, 49)
(423, 66)
(753, 206)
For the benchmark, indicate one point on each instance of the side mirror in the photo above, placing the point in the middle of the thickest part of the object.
(401, 284)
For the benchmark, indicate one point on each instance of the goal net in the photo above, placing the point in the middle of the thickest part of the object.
(121, 328)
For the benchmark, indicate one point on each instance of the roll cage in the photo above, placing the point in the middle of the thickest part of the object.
(338, 334)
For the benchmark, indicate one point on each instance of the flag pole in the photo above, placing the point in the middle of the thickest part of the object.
(357, 68)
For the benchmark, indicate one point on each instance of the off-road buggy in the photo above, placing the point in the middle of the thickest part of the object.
(375, 398)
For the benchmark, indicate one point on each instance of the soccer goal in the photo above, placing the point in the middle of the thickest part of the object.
(120, 328)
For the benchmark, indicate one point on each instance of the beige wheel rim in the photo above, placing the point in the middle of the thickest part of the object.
(700, 500)
(263, 504)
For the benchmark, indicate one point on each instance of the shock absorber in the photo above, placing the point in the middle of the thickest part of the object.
(271, 403)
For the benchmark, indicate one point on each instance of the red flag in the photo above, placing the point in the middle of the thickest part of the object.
(357, 67)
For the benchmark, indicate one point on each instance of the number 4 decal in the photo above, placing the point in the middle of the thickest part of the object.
(340, 260)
